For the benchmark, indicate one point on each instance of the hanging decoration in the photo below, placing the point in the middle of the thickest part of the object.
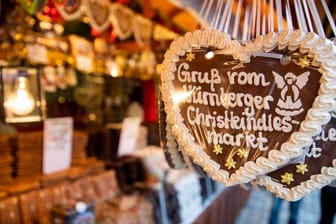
(98, 14)
(82, 50)
(143, 29)
(252, 129)
(71, 11)
(162, 33)
(210, 85)
(121, 19)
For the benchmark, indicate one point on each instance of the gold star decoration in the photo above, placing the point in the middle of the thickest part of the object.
(287, 178)
(304, 62)
(230, 163)
(242, 153)
(301, 168)
(190, 56)
(217, 149)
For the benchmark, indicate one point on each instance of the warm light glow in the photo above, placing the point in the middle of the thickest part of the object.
(45, 25)
(21, 101)
(209, 55)
(113, 68)
(179, 97)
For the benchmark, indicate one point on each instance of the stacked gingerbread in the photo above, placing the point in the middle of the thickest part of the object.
(29, 154)
(80, 158)
(6, 158)
(79, 144)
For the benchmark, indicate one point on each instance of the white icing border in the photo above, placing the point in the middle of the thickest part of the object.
(318, 115)
(70, 16)
(315, 182)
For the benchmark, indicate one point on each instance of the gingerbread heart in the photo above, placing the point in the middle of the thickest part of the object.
(316, 170)
(121, 18)
(142, 30)
(98, 14)
(247, 109)
(71, 11)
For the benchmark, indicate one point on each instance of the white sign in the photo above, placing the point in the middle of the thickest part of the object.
(57, 144)
(128, 136)
(84, 63)
(37, 53)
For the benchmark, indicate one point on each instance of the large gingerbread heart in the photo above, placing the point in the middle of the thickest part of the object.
(317, 169)
(248, 109)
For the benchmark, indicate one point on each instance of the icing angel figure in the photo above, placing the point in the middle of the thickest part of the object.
(289, 103)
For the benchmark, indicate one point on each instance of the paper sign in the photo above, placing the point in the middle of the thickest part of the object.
(37, 53)
(128, 135)
(57, 144)
(84, 63)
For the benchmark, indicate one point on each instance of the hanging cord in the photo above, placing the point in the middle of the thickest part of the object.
(263, 24)
(204, 6)
(289, 17)
(217, 16)
(206, 15)
(329, 16)
(225, 15)
(316, 17)
(246, 23)
(299, 15)
(247, 19)
(258, 18)
(271, 17)
(279, 14)
(237, 20)
(228, 18)
(309, 20)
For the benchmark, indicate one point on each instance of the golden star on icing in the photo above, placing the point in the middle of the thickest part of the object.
(303, 62)
(190, 56)
(217, 149)
(242, 153)
(301, 168)
(230, 163)
(287, 178)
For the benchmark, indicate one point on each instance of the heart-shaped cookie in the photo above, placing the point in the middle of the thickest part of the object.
(70, 11)
(98, 14)
(121, 18)
(142, 30)
(247, 109)
(317, 169)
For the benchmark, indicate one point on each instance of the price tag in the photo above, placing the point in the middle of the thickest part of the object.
(128, 135)
(57, 144)
(37, 53)
(84, 63)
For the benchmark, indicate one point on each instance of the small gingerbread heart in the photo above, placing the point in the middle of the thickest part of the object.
(98, 14)
(318, 169)
(121, 18)
(71, 10)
